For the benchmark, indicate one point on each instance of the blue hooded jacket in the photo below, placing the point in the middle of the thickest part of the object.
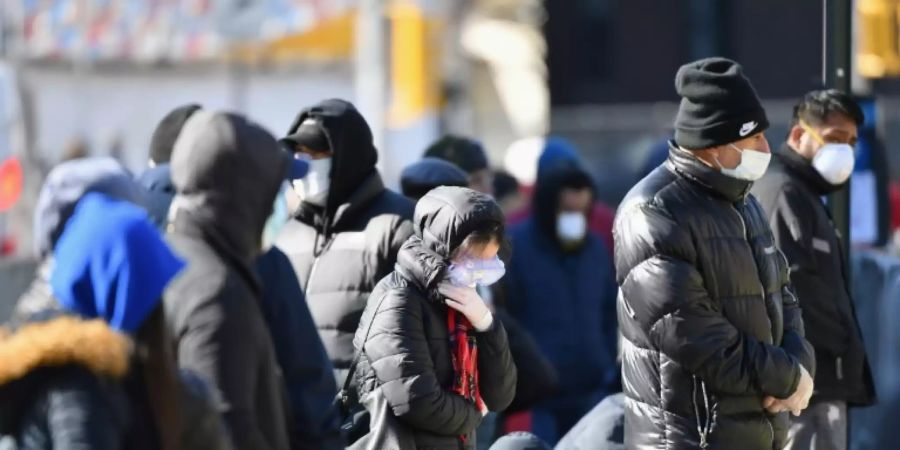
(566, 298)
(111, 263)
(557, 152)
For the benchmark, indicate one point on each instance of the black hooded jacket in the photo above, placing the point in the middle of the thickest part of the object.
(709, 323)
(340, 252)
(227, 172)
(791, 193)
(407, 352)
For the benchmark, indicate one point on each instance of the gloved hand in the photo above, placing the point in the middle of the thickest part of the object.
(797, 402)
(467, 301)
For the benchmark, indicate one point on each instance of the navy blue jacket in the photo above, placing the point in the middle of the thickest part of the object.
(568, 303)
(566, 299)
(305, 366)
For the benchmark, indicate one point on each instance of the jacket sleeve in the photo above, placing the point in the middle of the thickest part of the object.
(497, 375)
(307, 371)
(79, 416)
(213, 343)
(536, 378)
(399, 355)
(794, 340)
(666, 295)
(610, 324)
(790, 219)
(694, 333)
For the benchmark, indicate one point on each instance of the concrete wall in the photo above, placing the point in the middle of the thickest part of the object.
(101, 104)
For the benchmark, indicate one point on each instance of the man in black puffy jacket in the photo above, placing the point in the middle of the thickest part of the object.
(713, 346)
(406, 347)
(349, 227)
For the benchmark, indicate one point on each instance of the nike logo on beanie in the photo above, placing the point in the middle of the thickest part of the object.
(747, 128)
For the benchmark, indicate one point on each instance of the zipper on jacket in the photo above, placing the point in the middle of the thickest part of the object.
(309, 279)
(839, 368)
(703, 428)
(743, 223)
(747, 239)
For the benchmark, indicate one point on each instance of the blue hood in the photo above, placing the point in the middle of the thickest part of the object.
(557, 152)
(419, 178)
(160, 192)
(111, 263)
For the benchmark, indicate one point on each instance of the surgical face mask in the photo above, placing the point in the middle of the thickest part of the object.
(835, 162)
(276, 220)
(571, 226)
(313, 188)
(471, 272)
(752, 167)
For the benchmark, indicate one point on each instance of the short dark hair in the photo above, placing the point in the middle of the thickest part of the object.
(504, 184)
(815, 107)
(483, 235)
(466, 153)
(166, 133)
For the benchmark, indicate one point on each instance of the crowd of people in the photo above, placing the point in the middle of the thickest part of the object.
(251, 292)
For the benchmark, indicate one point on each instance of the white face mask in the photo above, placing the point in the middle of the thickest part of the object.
(835, 162)
(471, 272)
(313, 188)
(571, 226)
(752, 167)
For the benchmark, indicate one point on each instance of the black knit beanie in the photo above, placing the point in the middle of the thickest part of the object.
(718, 104)
(166, 133)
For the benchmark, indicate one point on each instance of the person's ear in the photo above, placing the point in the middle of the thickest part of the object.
(794, 136)
(713, 154)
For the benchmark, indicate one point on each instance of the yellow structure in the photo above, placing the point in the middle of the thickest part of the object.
(878, 40)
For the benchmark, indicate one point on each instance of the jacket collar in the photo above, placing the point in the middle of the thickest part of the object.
(685, 165)
(802, 169)
(60, 341)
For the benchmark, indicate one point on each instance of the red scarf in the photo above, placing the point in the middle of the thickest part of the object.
(464, 355)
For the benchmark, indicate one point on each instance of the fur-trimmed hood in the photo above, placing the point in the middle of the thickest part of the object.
(63, 341)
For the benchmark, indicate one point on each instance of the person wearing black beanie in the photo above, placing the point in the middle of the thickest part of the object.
(718, 105)
(166, 133)
(713, 347)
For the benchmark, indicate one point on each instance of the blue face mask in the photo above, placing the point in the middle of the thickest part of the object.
(276, 220)
(471, 272)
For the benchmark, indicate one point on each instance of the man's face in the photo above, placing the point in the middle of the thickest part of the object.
(729, 157)
(302, 151)
(807, 138)
(574, 200)
(482, 180)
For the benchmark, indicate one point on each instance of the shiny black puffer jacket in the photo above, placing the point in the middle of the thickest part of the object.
(708, 320)
(407, 350)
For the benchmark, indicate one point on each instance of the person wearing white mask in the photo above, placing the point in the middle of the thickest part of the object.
(817, 159)
(431, 358)
(561, 287)
(712, 343)
(346, 232)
